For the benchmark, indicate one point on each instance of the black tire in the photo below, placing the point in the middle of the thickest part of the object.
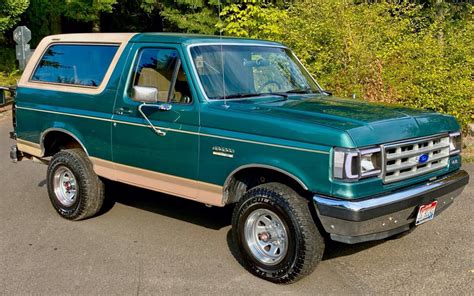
(305, 245)
(89, 195)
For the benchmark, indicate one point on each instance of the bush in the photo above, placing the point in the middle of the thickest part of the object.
(404, 53)
(9, 73)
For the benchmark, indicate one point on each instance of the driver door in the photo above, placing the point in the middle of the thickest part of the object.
(165, 161)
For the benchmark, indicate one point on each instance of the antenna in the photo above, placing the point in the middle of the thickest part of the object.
(222, 55)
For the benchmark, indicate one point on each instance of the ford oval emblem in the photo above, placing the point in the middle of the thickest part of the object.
(423, 158)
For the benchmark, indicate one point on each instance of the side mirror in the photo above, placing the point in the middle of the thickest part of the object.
(145, 94)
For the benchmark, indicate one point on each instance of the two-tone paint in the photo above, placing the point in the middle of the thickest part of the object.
(207, 142)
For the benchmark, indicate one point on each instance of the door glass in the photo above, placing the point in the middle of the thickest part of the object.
(182, 93)
(157, 68)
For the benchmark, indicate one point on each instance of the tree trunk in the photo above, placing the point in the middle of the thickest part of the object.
(96, 20)
(96, 25)
(55, 22)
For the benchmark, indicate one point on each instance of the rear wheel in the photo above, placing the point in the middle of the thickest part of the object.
(275, 233)
(75, 191)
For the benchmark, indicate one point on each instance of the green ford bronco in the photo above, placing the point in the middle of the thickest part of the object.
(234, 121)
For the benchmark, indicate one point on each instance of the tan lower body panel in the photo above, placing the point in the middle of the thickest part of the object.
(187, 188)
(29, 147)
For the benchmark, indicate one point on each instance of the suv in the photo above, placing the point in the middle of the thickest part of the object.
(232, 121)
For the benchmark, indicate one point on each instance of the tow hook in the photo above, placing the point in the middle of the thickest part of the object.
(15, 154)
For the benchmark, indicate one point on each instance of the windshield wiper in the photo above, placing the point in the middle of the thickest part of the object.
(249, 95)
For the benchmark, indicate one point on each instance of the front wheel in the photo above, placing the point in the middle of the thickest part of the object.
(275, 233)
(75, 191)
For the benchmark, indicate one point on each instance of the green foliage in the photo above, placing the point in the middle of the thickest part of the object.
(10, 12)
(202, 21)
(253, 20)
(87, 10)
(417, 55)
(9, 73)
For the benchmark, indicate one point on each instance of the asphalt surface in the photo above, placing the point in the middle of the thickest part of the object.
(147, 243)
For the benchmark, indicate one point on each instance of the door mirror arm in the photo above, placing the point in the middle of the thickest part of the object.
(163, 107)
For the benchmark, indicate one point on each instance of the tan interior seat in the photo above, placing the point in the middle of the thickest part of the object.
(151, 78)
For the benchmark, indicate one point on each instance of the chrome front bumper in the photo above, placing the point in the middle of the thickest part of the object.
(383, 216)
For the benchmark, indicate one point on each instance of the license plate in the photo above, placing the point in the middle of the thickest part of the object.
(426, 213)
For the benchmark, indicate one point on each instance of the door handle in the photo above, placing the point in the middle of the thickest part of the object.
(165, 107)
(123, 111)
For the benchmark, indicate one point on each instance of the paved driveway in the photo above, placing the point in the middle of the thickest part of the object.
(151, 244)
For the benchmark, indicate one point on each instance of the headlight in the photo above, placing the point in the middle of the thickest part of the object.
(355, 164)
(455, 143)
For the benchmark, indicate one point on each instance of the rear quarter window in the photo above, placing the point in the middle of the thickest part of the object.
(74, 64)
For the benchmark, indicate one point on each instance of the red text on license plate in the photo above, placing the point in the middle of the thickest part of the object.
(426, 213)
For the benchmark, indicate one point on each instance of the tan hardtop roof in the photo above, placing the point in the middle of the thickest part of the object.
(161, 37)
(121, 39)
(90, 37)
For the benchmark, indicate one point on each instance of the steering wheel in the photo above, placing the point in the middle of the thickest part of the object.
(268, 83)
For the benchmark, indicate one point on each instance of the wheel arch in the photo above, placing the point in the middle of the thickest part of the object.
(236, 183)
(49, 146)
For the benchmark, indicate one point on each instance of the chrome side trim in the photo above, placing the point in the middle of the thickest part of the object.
(54, 129)
(376, 202)
(176, 130)
(66, 114)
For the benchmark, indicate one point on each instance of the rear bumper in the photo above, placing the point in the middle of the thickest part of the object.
(383, 216)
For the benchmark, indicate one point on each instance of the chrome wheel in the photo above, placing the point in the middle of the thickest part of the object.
(65, 187)
(266, 236)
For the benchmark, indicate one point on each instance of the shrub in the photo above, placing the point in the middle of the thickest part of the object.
(396, 53)
(9, 72)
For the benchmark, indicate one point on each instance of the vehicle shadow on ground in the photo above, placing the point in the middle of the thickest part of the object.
(196, 213)
(171, 206)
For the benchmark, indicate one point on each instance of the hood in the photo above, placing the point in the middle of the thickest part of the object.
(365, 123)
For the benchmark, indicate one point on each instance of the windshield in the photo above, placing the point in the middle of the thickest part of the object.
(237, 71)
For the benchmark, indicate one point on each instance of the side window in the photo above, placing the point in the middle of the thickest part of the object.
(73, 64)
(161, 68)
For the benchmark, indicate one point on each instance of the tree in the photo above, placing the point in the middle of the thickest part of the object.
(253, 20)
(134, 16)
(191, 16)
(10, 12)
(88, 11)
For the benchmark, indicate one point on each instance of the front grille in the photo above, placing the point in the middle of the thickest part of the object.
(402, 160)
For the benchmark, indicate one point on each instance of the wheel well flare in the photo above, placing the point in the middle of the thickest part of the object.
(53, 141)
(245, 178)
